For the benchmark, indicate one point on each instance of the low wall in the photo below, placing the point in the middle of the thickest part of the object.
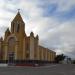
(3, 65)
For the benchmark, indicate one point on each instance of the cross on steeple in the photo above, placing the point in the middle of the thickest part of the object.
(18, 10)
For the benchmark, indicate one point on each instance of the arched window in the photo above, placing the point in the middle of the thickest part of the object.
(11, 44)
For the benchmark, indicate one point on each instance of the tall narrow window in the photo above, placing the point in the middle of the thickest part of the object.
(17, 28)
(13, 27)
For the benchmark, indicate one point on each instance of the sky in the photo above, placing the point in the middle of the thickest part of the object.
(52, 20)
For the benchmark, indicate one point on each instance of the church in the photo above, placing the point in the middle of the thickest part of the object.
(16, 46)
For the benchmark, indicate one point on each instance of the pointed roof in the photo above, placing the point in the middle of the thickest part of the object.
(7, 31)
(31, 34)
(18, 17)
(37, 37)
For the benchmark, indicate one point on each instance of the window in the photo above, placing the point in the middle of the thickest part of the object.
(13, 27)
(11, 44)
(17, 28)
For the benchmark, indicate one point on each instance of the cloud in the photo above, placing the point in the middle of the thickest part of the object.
(63, 39)
(2, 30)
(63, 5)
(60, 9)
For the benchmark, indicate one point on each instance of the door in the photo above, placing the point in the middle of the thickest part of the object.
(11, 58)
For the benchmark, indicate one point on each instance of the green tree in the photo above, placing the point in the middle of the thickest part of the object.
(59, 58)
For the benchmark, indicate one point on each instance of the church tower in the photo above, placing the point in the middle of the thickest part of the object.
(14, 38)
(18, 29)
(18, 25)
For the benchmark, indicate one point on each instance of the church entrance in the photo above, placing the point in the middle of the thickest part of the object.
(11, 50)
(11, 58)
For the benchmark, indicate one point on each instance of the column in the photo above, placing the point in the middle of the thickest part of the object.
(45, 54)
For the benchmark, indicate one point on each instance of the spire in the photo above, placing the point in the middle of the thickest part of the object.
(37, 37)
(18, 16)
(31, 34)
(7, 31)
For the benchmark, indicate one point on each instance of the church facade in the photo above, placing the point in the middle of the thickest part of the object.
(17, 46)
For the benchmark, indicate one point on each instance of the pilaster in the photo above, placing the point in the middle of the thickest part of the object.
(24, 47)
(31, 47)
(6, 51)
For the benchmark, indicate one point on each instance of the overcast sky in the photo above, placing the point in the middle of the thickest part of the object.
(52, 20)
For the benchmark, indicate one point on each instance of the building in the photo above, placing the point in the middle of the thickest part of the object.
(17, 46)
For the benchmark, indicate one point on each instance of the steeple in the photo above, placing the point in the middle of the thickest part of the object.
(18, 17)
(17, 25)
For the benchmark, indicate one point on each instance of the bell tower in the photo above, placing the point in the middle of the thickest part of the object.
(18, 25)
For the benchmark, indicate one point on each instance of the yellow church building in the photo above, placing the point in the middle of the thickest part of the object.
(17, 46)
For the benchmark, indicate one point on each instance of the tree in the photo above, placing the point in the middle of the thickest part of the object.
(59, 58)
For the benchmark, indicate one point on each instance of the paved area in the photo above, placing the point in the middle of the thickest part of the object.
(54, 69)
